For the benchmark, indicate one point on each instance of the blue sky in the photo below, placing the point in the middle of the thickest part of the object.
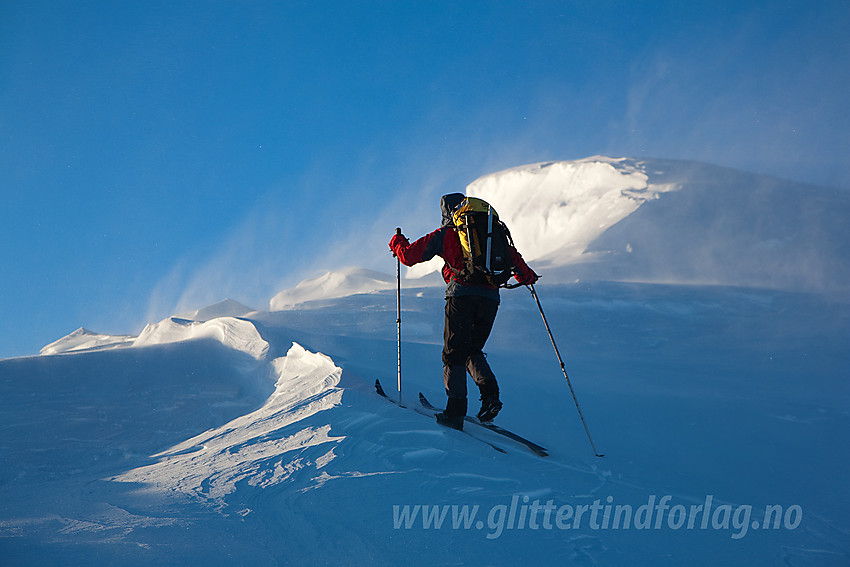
(157, 156)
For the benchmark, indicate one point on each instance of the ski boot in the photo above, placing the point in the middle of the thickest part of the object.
(490, 407)
(453, 415)
(453, 421)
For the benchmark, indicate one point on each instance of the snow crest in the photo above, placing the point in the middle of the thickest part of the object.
(224, 308)
(82, 340)
(239, 334)
(555, 210)
(263, 448)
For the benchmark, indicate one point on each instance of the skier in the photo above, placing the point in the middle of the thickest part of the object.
(470, 313)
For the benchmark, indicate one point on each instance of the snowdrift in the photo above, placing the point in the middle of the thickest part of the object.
(82, 339)
(238, 334)
(256, 448)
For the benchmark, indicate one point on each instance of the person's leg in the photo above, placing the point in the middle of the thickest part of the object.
(456, 344)
(477, 365)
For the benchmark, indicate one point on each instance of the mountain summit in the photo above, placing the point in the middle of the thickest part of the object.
(669, 221)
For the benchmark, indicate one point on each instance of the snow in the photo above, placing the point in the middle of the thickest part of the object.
(238, 334)
(224, 308)
(212, 464)
(83, 339)
(331, 285)
(665, 221)
(558, 209)
(228, 436)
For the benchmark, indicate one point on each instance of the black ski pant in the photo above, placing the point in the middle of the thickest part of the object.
(469, 320)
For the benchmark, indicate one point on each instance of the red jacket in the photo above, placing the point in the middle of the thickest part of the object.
(444, 242)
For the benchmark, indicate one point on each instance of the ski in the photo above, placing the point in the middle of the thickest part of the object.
(380, 391)
(534, 447)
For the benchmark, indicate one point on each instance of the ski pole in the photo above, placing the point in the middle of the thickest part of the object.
(398, 316)
(564, 370)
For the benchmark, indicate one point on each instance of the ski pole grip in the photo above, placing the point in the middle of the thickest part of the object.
(398, 232)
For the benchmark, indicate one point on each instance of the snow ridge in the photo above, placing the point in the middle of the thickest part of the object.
(82, 340)
(262, 448)
(234, 332)
(238, 334)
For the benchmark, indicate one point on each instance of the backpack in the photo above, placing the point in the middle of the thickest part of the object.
(486, 244)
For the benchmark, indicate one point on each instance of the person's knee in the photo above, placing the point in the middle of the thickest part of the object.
(455, 357)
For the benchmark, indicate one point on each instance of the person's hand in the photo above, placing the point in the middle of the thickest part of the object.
(397, 240)
(529, 278)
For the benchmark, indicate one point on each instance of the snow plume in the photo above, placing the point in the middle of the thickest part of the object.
(731, 228)
(332, 285)
(272, 247)
(247, 264)
(296, 233)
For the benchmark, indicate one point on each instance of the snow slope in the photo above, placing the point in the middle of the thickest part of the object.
(236, 437)
(195, 452)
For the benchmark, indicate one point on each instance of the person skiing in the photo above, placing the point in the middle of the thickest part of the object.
(470, 312)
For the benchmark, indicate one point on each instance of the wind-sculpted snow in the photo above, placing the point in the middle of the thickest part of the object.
(83, 339)
(239, 334)
(224, 308)
(262, 448)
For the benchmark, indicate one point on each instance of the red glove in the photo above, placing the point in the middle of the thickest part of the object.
(398, 240)
(528, 278)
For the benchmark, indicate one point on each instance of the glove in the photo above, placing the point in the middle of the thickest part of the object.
(398, 240)
(529, 278)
